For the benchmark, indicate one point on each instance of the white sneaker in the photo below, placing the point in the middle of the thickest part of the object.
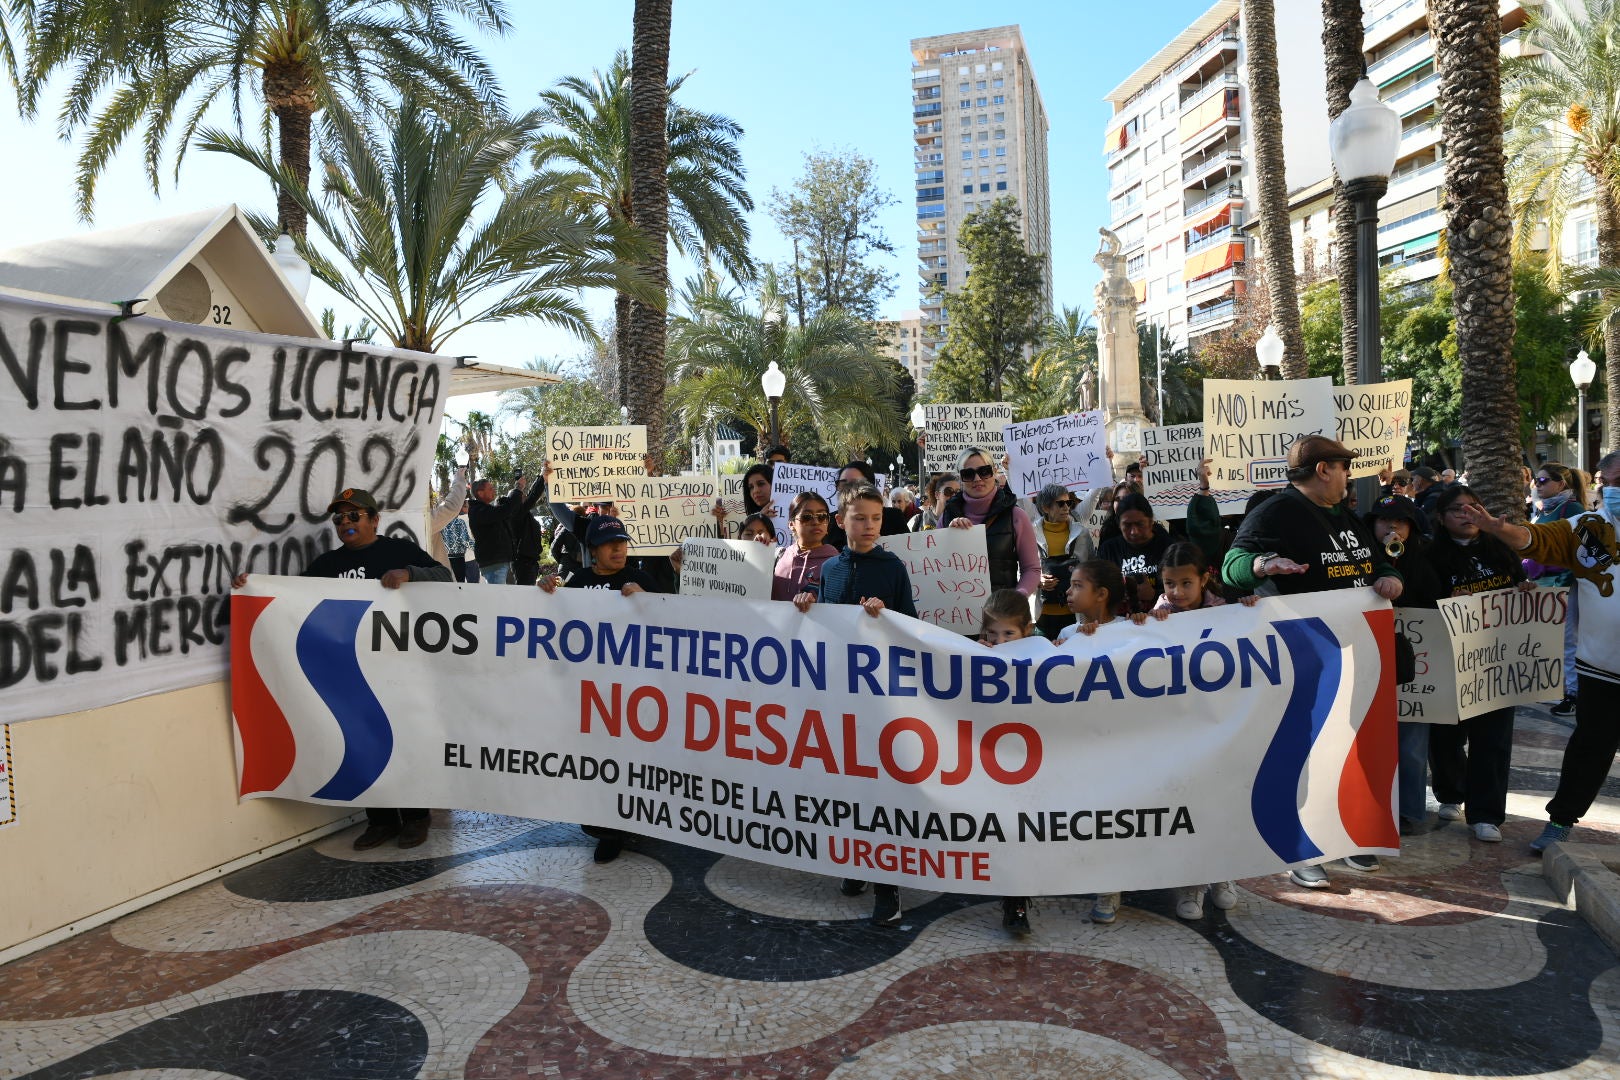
(1311, 877)
(1190, 902)
(1450, 811)
(1106, 908)
(1223, 894)
(1487, 832)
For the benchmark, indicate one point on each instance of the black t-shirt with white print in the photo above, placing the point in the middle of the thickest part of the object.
(1337, 548)
(590, 579)
(370, 562)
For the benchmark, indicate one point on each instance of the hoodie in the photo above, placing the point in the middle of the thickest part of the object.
(853, 577)
(798, 570)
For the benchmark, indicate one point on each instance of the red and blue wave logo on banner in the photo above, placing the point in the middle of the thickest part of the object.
(325, 649)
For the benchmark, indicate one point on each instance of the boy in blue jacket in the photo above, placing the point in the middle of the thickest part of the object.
(876, 579)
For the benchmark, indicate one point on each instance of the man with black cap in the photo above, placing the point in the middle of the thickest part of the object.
(1305, 539)
(392, 562)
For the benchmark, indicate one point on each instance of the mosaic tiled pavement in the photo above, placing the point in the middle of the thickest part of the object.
(500, 949)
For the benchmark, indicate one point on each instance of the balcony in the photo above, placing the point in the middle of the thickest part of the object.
(1411, 92)
(1222, 235)
(1224, 38)
(1400, 176)
(1381, 67)
(1124, 180)
(1125, 211)
(924, 130)
(1211, 281)
(1198, 170)
(1391, 23)
(923, 112)
(1429, 128)
(1226, 81)
(1233, 190)
(1226, 309)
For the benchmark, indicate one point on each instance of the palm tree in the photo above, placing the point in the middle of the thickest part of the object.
(1271, 176)
(1563, 141)
(1479, 227)
(588, 139)
(16, 17)
(838, 381)
(162, 63)
(1064, 371)
(641, 362)
(401, 209)
(1342, 59)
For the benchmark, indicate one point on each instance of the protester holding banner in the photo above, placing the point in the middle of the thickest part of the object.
(1094, 595)
(1006, 618)
(456, 540)
(443, 514)
(1009, 538)
(1560, 494)
(1587, 546)
(1061, 539)
(1469, 761)
(799, 565)
(1397, 524)
(609, 568)
(1303, 539)
(1137, 549)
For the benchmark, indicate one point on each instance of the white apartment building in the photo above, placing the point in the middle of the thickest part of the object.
(1180, 158)
(902, 341)
(979, 131)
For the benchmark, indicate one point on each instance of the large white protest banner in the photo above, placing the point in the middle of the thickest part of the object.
(1223, 743)
(144, 462)
(1069, 450)
(1431, 696)
(1249, 425)
(1507, 647)
(951, 429)
(661, 511)
(1171, 457)
(950, 575)
(740, 569)
(1374, 421)
(585, 461)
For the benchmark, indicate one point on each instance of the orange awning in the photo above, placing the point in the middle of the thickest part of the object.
(1206, 114)
(1141, 290)
(1115, 138)
(1217, 211)
(1214, 259)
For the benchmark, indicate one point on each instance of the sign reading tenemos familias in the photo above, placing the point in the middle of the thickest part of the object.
(585, 461)
(1171, 459)
(1250, 424)
(950, 575)
(1069, 450)
(951, 429)
(1210, 745)
(1507, 647)
(143, 463)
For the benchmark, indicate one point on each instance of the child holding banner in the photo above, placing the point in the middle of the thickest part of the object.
(876, 579)
(1095, 590)
(1006, 618)
(799, 565)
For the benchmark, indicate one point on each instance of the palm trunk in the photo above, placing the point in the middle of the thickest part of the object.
(1479, 228)
(288, 92)
(1341, 54)
(1271, 174)
(1608, 241)
(621, 346)
(649, 194)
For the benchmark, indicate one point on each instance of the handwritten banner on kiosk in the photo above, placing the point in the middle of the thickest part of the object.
(950, 575)
(585, 461)
(1431, 696)
(143, 463)
(1067, 450)
(1171, 456)
(1375, 420)
(1249, 424)
(661, 511)
(1507, 647)
(839, 744)
(951, 429)
(740, 569)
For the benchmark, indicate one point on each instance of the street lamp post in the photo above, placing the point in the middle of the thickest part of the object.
(773, 382)
(1581, 370)
(1269, 351)
(1363, 141)
(919, 418)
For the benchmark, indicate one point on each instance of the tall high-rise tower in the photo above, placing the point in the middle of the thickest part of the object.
(979, 129)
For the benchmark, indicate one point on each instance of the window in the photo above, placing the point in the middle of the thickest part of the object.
(967, 121)
(1172, 284)
(930, 194)
(1001, 151)
(986, 153)
(984, 136)
(931, 210)
(1135, 265)
(1001, 118)
(1001, 133)
(965, 104)
(962, 89)
(967, 155)
(984, 170)
(1001, 169)
(996, 66)
(967, 189)
(1153, 183)
(978, 69)
(996, 83)
(962, 71)
(1170, 177)
(1001, 185)
(979, 102)
(999, 99)
(984, 187)
(1586, 252)
(979, 85)
(967, 136)
(983, 118)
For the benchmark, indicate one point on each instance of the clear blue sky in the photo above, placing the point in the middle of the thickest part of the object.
(828, 75)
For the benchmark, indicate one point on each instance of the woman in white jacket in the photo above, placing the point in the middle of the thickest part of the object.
(1061, 538)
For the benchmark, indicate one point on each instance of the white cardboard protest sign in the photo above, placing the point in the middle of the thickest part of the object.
(950, 575)
(1507, 647)
(1431, 696)
(1170, 478)
(143, 463)
(740, 569)
(788, 480)
(661, 511)
(1069, 450)
(833, 742)
(585, 461)
(951, 429)
(1249, 424)
(1374, 420)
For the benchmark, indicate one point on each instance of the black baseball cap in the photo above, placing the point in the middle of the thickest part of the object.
(359, 498)
(605, 530)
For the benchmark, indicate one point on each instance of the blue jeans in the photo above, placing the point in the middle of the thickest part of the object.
(494, 573)
(1413, 776)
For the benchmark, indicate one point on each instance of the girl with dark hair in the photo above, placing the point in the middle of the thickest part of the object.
(1469, 762)
(1137, 550)
(799, 566)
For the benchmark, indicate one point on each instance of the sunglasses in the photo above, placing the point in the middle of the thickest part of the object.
(347, 517)
(1066, 503)
(814, 519)
(950, 492)
(1545, 479)
(983, 472)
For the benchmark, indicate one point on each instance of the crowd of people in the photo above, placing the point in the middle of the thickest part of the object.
(1427, 537)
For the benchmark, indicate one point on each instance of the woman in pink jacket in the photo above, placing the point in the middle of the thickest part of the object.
(800, 562)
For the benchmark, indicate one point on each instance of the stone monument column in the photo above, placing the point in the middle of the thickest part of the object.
(1117, 361)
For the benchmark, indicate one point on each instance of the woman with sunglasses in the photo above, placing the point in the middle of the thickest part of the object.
(1560, 494)
(940, 489)
(1009, 538)
(1061, 540)
(799, 565)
